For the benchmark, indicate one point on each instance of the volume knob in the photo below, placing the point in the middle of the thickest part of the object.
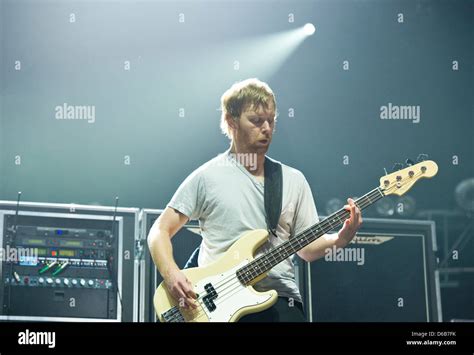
(82, 282)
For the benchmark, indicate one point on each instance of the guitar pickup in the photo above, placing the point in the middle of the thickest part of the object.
(210, 297)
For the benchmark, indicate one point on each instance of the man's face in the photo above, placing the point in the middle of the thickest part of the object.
(253, 131)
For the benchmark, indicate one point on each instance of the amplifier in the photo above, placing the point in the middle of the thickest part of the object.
(184, 243)
(387, 273)
(68, 262)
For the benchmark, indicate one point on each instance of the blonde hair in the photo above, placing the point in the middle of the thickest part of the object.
(250, 92)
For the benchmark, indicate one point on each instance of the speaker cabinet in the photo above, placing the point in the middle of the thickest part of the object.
(387, 273)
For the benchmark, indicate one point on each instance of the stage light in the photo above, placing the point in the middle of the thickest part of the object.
(309, 29)
(260, 56)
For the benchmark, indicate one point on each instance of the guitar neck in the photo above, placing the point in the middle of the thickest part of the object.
(267, 261)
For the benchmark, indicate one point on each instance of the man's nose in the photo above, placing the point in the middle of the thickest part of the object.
(265, 126)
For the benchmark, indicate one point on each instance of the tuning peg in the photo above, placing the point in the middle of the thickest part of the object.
(397, 167)
(422, 157)
(409, 162)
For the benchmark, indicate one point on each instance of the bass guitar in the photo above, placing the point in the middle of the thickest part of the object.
(224, 288)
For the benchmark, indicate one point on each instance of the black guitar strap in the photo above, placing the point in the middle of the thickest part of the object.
(272, 199)
(273, 193)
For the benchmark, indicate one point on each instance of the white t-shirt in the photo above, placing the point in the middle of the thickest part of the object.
(228, 201)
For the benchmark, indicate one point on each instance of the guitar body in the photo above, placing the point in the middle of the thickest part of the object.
(221, 296)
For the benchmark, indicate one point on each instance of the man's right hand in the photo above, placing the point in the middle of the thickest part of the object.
(181, 289)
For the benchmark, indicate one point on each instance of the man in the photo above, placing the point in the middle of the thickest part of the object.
(226, 194)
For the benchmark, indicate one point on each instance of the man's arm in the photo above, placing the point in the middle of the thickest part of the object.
(317, 249)
(161, 249)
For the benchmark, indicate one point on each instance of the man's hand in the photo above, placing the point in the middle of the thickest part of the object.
(351, 225)
(181, 289)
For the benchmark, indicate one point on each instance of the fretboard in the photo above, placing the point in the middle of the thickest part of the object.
(267, 261)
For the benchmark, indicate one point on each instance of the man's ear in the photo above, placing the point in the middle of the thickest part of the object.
(230, 121)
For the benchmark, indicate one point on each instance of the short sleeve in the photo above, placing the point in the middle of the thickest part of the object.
(306, 213)
(189, 197)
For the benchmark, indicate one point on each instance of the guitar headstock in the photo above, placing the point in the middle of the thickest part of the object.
(399, 182)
